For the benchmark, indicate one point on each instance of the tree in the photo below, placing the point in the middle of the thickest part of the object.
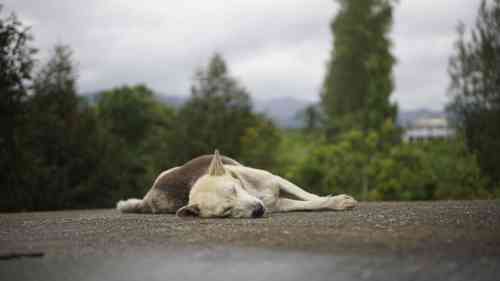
(65, 141)
(312, 117)
(259, 145)
(475, 87)
(140, 132)
(131, 113)
(216, 116)
(54, 122)
(16, 63)
(359, 81)
(55, 84)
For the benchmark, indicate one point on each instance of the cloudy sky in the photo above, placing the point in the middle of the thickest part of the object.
(275, 48)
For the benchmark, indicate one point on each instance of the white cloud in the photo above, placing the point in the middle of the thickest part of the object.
(424, 33)
(274, 47)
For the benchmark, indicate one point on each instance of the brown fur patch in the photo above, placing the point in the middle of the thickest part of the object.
(176, 185)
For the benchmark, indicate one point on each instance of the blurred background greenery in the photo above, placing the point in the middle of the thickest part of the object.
(60, 149)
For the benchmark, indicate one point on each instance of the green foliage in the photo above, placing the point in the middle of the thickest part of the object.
(140, 130)
(475, 85)
(341, 167)
(363, 165)
(294, 148)
(312, 117)
(16, 62)
(359, 81)
(436, 170)
(64, 140)
(132, 113)
(259, 143)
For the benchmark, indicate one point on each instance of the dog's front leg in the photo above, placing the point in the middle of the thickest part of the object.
(339, 202)
(296, 192)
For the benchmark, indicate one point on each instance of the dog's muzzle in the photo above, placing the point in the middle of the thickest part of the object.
(258, 211)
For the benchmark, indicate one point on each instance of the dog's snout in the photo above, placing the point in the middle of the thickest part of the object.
(258, 211)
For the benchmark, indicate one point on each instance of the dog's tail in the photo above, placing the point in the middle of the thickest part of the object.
(131, 206)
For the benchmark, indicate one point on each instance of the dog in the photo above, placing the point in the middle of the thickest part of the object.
(218, 186)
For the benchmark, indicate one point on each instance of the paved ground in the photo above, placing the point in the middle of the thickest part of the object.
(376, 241)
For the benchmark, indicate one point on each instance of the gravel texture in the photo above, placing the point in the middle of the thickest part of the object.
(459, 239)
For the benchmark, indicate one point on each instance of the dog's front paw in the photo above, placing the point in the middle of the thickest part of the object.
(341, 202)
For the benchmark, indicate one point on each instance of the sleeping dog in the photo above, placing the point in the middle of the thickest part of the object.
(218, 186)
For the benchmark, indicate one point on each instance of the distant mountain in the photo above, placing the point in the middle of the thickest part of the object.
(175, 101)
(284, 110)
(406, 118)
(90, 97)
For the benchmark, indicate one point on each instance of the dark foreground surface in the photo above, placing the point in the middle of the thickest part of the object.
(376, 241)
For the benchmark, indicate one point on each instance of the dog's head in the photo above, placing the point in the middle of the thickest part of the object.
(221, 193)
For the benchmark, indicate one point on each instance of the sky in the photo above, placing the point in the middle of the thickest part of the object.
(274, 48)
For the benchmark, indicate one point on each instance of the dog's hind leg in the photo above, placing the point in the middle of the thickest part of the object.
(339, 202)
(294, 191)
(153, 201)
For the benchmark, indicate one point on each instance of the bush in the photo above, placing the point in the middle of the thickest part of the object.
(362, 165)
(259, 144)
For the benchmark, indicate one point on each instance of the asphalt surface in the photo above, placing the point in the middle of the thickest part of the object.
(457, 240)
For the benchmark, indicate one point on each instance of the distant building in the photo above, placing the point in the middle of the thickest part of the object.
(425, 129)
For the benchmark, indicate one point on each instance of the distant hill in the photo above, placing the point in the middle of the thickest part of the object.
(91, 97)
(284, 110)
(175, 101)
(407, 117)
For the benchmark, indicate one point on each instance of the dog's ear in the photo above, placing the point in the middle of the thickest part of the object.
(216, 166)
(188, 211)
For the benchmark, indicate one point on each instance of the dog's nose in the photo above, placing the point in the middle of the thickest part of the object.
(258, 211)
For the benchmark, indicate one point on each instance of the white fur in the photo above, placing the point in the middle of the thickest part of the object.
(267, 187)
(255, 185)
(214, 194)
(130, 206)
(339, 202)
